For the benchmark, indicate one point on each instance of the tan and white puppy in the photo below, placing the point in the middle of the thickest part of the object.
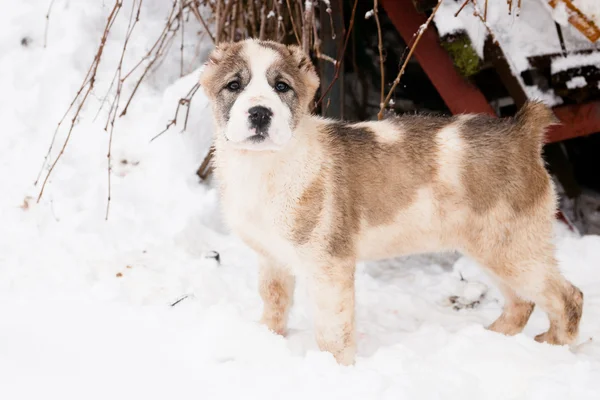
(312, 196)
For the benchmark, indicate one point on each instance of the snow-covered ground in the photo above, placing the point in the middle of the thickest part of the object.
(85, 304)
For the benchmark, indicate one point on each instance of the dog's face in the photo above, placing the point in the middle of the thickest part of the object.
(259, 91)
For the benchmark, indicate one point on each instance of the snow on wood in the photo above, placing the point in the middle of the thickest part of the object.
(532, 33)
(574, 61)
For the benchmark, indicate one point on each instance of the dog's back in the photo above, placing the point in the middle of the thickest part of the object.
(424, 183)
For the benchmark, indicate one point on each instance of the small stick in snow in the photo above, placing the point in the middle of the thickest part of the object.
(179, 300)
(422, 29)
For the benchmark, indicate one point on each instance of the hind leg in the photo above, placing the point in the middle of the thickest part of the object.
(564, 303)
(515, 314)
(538, 281)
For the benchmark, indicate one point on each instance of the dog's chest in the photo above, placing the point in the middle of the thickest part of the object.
(259, 208)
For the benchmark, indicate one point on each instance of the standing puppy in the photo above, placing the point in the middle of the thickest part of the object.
(312, 196)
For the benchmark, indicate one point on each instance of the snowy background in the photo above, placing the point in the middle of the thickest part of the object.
(85, 304)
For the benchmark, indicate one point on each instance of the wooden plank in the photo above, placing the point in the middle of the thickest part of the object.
(459, 95)
(577, 120)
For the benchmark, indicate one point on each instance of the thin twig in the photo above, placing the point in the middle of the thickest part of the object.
(182, 40)
(185, 101)
(340, 56)
(252, 18)
(196, 12)
(218, 19)
(47, 23)
(486, 7)
(292, 19)
(461, 8)
(88, 83)
(483, 21)
(115, 106)
(420, 32)
(306, 27)
(380, 48)
(263, 22)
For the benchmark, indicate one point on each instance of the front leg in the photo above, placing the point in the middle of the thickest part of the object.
(332, 290)
(276, 287)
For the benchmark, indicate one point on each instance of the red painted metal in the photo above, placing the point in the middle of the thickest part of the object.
(459, 95)
(577, 120)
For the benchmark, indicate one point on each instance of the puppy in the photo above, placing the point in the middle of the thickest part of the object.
(312, 196)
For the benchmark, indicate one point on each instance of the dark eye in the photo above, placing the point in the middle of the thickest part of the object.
(281, 87)
(234, 86)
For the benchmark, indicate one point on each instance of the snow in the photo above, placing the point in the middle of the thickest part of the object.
(576, 82)
(574, 61)
(531, 33)
(85, 303)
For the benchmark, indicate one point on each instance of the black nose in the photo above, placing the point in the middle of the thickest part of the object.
(260, 117)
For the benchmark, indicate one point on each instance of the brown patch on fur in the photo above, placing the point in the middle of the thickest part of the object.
(308, 211)
(276, 288)
(498, 161)
(573, 309)
(225, 64)
(360, 185)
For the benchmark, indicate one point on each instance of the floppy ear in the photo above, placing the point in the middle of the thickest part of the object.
(214, 58)
(305, 65)
(217, 54)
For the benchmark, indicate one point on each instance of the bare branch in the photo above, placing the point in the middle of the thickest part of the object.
(340, 56)
(182, 24)
(380, 48)
(87, 85)
(292, 19)
(263, 22)
(461, 8)
(185, 101)
(47, 23)
(420, 32)
(306, 27)
(196, 12)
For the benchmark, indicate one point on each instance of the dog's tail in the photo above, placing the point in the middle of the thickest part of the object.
(532, 122)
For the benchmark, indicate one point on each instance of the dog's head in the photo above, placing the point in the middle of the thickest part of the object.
(259, 91)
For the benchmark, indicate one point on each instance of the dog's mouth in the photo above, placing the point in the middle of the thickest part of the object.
(256, 142)
(258, 138)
